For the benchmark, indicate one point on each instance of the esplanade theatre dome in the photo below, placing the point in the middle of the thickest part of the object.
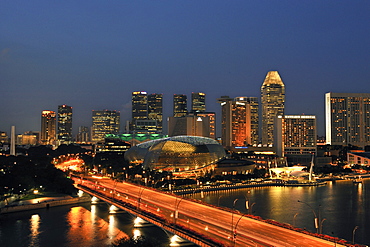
(177, 154)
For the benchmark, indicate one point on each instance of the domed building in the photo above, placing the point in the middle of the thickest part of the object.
(184, 156)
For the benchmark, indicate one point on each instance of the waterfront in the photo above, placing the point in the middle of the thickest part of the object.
(341, 206)
(72, 226)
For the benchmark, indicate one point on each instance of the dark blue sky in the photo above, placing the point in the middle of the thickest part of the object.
(93, 54)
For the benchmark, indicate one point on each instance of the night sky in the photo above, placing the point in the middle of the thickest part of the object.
(92, 54)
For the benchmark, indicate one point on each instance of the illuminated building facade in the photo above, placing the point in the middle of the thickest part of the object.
(347, 118)
(211, 121)
(139, 107)
(180, 108)
(103, 123)
(254, 116)
(360, 159)
(48, 127)
(65, 124)
(272, 102)
(147, 113)
(27, 138)
(4, 137)
(193, 124)
(185, 156)
(235, 121)
(155, 110)
(83, 135)
(296, 136)
(112, 145)
(198, 102)
(135, 139)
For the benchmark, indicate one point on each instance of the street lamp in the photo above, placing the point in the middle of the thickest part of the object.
(236, 225)
(139, 198)
(315, 219)
(218, 201)
(295, 215)
(321, 223)
(232, 219)
(177, 208)
(353, 234)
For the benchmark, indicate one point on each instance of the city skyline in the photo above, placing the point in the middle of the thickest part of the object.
(92, 56)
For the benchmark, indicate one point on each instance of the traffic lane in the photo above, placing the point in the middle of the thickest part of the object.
(254, 227)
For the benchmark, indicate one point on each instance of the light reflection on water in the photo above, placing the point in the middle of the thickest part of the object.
(72, 226)
(35, 224)
(89, 229)
(343, 204)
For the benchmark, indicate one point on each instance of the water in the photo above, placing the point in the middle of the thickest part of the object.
(70, 226)
(341, 206)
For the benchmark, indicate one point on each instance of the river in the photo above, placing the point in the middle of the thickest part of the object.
(342, 209)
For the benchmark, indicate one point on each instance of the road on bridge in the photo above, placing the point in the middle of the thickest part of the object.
(228, 227)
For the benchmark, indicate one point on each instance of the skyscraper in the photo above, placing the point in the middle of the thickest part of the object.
(83, 135)
(194, 124)
(347, 118)
(198, 102)
(272, 101)
(235, 121)
(211, 116)
(139, 107)
(155, 109)
(103, 123)
(180, 108)
(254, 108)
(295, 135)
(65, 124)
(48, 127)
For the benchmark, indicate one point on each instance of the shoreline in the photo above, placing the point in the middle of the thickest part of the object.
(43, 202)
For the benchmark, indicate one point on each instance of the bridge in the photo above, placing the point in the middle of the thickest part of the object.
(200, 223)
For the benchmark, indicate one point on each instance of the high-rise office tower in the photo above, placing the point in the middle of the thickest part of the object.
(155, 109)
(194, 124)
(103, 123)
(272, 102)
(254, 107)
(211, 116)
(65, 124)
(48, 127)
(180, 103)
(235, 121)
(347, 118)
(139, 107)
(198, 102)
(295, 135)
(83, 135)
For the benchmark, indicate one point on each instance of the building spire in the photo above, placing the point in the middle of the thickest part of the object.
(273, 77)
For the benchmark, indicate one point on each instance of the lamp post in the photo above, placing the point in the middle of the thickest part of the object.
(315, 219)
(218, 200)
(139, 198)
(353, 234)
(232, 220)
(295, 215)
(251, 209)
(177, 208)
(321, 223)
(236, 225)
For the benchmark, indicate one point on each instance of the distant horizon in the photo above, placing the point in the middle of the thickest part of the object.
(92, 55)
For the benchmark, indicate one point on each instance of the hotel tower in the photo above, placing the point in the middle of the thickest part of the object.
(272, 102)
(347, 118)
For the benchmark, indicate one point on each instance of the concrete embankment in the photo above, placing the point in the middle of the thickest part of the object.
(44, 204)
